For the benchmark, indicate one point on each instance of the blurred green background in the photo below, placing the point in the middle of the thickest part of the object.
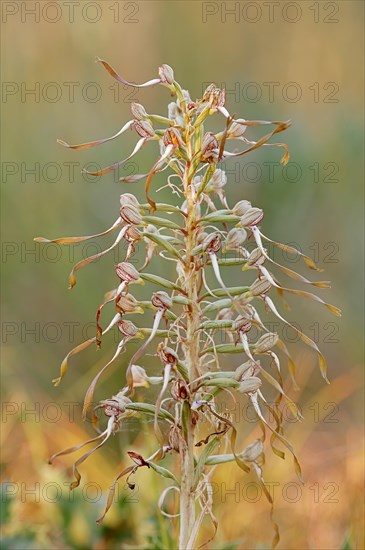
(278, 60)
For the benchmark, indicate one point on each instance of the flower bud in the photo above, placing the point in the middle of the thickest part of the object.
(252, 216)
(217, 181)
(212, 243)
(161, 300)
(175, 438)
(266, 342)
(128, 198)
(215, 96)
(245, 370)
(166, 354)
(144, 128)
(253, 451)
(140, 378)
(138, 111)
(260, 287)
(166, 74)
(127, 328)
(127, 272)
(250, 384)
(127, 303)
(179, 390)
(256, 257)
(130, 214)
(209, 148)
(235, 238)
(241, 208)
(116, 405)
(175, 113)
(242, 324)
(133, 234)
(236, 129)
(172, 136)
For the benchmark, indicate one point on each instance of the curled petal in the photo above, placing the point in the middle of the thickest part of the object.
(98, 141)
(94, 257)
(115, 75)
(157, 167)
(282, 439)
(80, 347)
(303, 337)
(310, 263)
(293, 274)
(279, 128)
(140, 351)
(82, 459)
(70, 240)
(117, 164)
(90, 392)
(335, 310)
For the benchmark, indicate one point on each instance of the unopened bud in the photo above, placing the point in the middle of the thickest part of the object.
(144, 128)
(242, 324)
(215, 96)
(140, 378)
(253, 451)
(266, 342)
(166, 354)
(253, 216)
(256, 257)
(161, 300)
(237, 128)
(175, 438)
(209, 148)
(235, 238)
(217, 181)
(249, 384)
(127, 303)
(166, 74)
(130, 214)
(133, 234)
(138, 111)
(127, 272)
(241, 207)
(175, 113)
(212, 243)
(260, 287)
(127, 328)
(172, 136)
(128, 198)
(179, 390)
(116, 405)
(245, 370)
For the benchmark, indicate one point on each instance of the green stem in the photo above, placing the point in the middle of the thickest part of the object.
(191, 352)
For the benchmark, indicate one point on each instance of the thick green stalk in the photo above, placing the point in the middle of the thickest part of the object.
(191, 353)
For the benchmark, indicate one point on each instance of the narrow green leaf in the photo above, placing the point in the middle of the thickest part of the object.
(162, 471)
(164, 243)
(207, 325)
(155, 279)
(161, 222)
(147, 408)
(208, 449)
(226, 348)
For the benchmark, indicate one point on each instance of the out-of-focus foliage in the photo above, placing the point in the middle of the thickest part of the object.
(323, 216)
